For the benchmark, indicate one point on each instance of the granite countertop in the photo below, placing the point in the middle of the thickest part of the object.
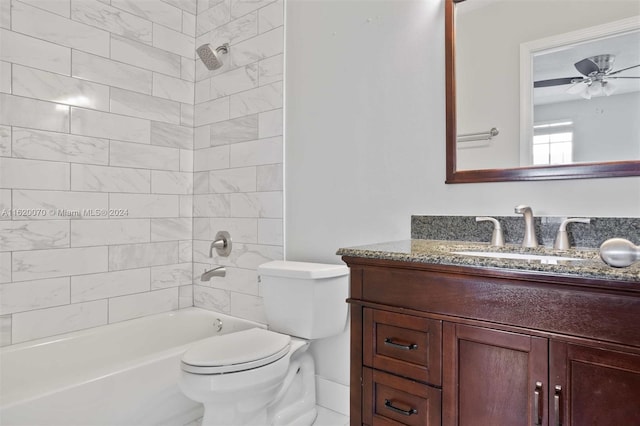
(442, 252)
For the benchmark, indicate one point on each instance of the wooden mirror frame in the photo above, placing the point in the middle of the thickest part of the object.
(567, 171)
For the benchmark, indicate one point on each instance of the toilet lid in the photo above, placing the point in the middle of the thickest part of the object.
(237, 351)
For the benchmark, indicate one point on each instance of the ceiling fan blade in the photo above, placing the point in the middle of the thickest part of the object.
(556, 81)
(586, 66)
(623, 69)
(622, 77)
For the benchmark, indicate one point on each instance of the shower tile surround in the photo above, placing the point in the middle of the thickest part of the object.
(104, 107)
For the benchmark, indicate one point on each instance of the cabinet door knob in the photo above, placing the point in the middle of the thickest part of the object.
(389, 342)
(556, 404)
(537, 403)
(389, 405)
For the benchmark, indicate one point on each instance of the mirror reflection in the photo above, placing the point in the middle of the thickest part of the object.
(542, 83)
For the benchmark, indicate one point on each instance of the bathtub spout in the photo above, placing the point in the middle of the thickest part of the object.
(220, 271)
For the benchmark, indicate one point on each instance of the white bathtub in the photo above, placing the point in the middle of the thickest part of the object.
(122, 374)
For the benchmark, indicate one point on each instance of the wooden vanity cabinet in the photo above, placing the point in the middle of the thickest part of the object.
(446, 345)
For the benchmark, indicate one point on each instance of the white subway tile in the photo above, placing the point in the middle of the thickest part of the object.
(172, 88)
(232, 180)
(44, 85)
(187, 114)
(35, 264)
(42, 145)
(115, 21)
(101, 70)
(213, 17)
(187, 69)
(202, 89)
(213, 158)
(185, 297)
(185, 251)
(25, 50)
(237, 80)
(260, 99)
(211, 205)
(59, 7)
(142, 205)
(5, 15)
(189, 24)
(104, 232)
(33, 235)
(254, 153)
(5, 141)
(237, 130)
(30, 295)
(32, 113)
(211, 298)
(201, 255)
(5, 267)
(233, 32)
(5, 204)
(243, 230)
(263, 46)
(241, 7)
(202, 136)
(250, 256)
(109, 284)
(171, 135)
(186, 205)
(31, 174)
(58, 204)
(145, 156)
(270, 177)
(60, 30)
(270, 231)
(171, 275)
(5, 77)
(5, 320)
(171, 182)
(147, 57)
(171, 229)
(51, 321)
(154, 11)
(173, 41)
(201, 183)
(271, 69)
(270, 123)
(131, 256)
(186, 5)
(212, 111)
(186, 160)
(144, 106)
(271, 16)
(109, 179)
(142, 304)
(257, 204)
(105, 125)
(248, 307)
(202, 228)
(237, 280)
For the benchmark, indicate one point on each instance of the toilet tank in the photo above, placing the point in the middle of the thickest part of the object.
(304, 299)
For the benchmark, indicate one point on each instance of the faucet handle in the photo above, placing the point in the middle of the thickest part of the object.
(562, 237)
(497, 237)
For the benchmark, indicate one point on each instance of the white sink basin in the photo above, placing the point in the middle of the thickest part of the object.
(547, 259)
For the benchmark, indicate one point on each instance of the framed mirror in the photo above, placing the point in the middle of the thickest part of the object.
(542, 90)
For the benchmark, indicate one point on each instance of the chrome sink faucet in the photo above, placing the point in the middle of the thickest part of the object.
(529, 239)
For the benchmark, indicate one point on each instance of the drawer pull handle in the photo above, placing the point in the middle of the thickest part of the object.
(409, 347)
(537, 403)
(408, 412)
(556, 404)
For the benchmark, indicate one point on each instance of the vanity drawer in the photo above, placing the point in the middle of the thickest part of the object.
(392, 400)
(406, 345)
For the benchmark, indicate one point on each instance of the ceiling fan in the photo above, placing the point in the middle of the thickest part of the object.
(596, 72)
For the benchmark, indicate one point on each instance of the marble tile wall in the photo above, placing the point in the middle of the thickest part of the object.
(238, 153)
(96, 161)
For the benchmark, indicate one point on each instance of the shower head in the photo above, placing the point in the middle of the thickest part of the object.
(211, 58)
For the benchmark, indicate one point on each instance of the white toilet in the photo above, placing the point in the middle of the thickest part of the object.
(267, 377)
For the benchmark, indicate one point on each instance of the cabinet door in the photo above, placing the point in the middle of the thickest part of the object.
(591, 386)
(493, 377)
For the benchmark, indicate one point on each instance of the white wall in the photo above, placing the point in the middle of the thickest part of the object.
(365, 131)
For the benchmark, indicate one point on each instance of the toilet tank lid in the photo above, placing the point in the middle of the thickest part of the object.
(304, 270)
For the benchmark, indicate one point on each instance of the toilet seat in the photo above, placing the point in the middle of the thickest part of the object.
(234, 352)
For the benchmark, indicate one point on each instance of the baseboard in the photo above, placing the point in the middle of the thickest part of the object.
(333, 396)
